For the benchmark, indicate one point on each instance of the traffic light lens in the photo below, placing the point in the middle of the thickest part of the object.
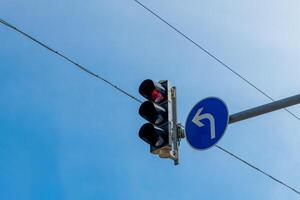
(153, 113)
(157, 96)
(152, 135)
(147, 133)
(153, 91)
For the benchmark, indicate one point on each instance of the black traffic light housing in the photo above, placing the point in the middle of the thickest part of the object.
(162, 133)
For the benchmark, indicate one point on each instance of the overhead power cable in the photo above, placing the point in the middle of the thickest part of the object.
(69, 60)
(211, 55)
(84, 69)
(256, 168)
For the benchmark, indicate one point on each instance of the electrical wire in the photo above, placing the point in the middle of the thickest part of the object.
(256, 168)
(211, 55)
(69, 60)
(84, 69)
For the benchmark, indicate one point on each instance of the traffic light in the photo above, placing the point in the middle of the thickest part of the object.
(162, 132)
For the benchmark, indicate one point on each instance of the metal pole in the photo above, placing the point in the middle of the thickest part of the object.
(270, 107)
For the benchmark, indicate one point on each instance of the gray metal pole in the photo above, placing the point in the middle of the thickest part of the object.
(270, 107)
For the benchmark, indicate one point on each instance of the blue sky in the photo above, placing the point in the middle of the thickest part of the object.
(67, 135)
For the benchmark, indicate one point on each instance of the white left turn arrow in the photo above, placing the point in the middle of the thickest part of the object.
(197, 120)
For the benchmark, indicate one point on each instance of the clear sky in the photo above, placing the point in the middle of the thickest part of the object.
(67, 135)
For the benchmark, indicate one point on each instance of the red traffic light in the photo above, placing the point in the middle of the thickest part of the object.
(157, 96)
(153, 91)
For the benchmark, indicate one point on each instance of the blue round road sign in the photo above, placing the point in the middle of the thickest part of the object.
(206, 123)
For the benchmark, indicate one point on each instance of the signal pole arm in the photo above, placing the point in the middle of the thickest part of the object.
(263, 109)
